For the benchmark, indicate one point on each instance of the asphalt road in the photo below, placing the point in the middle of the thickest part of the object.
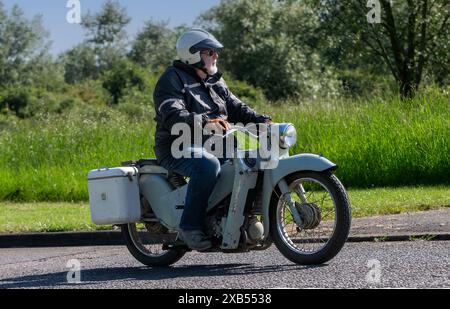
(418, 264)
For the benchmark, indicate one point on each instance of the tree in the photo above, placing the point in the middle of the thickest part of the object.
(155, 45)
(108, 26)
(80, 63)
(411, 38)
(106, 33)
(123, 75)
(104, 46)
(267, 43)
(22, 46)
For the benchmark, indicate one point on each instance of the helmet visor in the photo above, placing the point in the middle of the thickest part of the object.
(207, 44)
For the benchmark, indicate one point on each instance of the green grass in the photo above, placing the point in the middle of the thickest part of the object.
(376, 143)
(57, 217)
(45, 217)
(386, 201)
(380, 142)
(48, 160)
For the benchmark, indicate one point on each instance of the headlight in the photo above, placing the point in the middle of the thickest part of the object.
(288, 135)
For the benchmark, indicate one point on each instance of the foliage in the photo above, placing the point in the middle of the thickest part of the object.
(245, 92)
(22, 47)
(106, 28)
(106, 33)
(123, 75)
(93, 106)
(286, 48)
(27, 102)
(154, 46)
(366, 84)
(105, 44)
(410, 40)
(89, 92)
(80, 63)
(265, 46)
(18, 101)
(381, 142)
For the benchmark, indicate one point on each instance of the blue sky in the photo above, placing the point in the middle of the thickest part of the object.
(65, 35)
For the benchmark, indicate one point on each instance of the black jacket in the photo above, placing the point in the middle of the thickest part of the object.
(181, 94)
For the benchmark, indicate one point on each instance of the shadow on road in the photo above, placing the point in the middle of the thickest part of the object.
(105, 275)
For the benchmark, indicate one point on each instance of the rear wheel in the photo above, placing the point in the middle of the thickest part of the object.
(147, 241)
(324, 208)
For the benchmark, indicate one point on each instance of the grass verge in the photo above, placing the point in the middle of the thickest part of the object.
(376, 143)
(58, 217)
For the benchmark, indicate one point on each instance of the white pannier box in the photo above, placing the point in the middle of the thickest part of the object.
(114, 195)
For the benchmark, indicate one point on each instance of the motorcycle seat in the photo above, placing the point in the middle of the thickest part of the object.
(175, 178)
(144, 162)
(141, 162)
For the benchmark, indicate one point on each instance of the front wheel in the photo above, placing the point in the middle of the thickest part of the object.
(323, 206)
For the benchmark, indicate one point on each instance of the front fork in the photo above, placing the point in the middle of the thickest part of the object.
(286, 195)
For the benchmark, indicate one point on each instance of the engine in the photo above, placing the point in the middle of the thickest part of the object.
(254, 229)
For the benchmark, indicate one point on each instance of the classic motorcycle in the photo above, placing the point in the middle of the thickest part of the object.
(297, 203)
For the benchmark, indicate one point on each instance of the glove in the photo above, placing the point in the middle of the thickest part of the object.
(223, 124)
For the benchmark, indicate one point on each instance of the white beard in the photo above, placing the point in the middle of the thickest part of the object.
(212, 69)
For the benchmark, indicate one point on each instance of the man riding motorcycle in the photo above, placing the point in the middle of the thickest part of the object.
(192, 90)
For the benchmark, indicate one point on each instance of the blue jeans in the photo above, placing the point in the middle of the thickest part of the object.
(203, 173)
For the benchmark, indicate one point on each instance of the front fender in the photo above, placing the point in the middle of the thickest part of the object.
(297, 163)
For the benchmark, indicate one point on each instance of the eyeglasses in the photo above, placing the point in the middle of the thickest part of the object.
(209, 52)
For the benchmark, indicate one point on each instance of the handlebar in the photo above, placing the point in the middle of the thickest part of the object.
(235, 129)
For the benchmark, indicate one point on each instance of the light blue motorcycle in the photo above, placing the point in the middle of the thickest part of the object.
(293, 201)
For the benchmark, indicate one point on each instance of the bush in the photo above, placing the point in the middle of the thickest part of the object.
(90, 92)
(67, 104)
(6, 120)
(18, 100)
(266, 47)
(363, 83)
(29, 102)
(137, 104)
(245, 92)
(122, 76)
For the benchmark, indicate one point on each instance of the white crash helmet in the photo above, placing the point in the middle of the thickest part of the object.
(192, 42)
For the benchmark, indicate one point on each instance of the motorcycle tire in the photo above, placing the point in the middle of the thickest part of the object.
(164, 259)
(342, 221)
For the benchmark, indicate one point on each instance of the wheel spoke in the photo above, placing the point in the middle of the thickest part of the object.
(149, 244)
(307, 241)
